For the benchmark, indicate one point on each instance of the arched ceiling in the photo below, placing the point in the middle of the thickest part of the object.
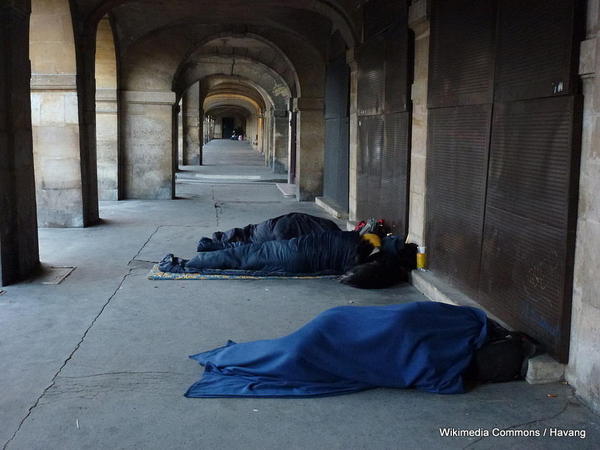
(278, 46)
(174, 58)
(237, 90)
(310, 18)
(228, 100)
(230, 110)
(247, 47)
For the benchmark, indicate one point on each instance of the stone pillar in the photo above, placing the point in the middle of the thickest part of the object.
(419, 23)
(107, 124)
(59, 136)
(107, 141)
(280, 151)
(175, 153)
(19, 255)
(267, 136)
(146, 142)
(584, 360)
(353, 147)
(200, 134)
(310, 147)
(191, 125)
(179, 136)
(292, 144)
(86, 95)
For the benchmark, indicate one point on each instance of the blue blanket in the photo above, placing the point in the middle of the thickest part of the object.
(422, 345)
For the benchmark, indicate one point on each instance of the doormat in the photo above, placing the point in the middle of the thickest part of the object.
(156, 274)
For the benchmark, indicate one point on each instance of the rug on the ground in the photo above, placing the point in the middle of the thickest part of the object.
(213, 274)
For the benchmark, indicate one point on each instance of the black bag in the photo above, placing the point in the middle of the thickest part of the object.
(503, 357)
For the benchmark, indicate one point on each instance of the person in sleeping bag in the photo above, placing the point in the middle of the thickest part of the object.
(276, 229)
(422, 345)
(324, 253)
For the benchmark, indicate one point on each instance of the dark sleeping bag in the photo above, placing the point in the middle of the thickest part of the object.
(421, 345)
(324, 253)
(278, 228)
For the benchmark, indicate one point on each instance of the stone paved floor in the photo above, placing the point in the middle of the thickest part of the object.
(100, 361)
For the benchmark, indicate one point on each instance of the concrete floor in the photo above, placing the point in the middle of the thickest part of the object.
(100, 361)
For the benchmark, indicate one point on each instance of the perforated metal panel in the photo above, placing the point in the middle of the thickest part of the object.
(393, 200)
(535, 48)
(504, 232)
(456, 178)
(370, 141)
(528, 231)
(336, 168)
(397, 64)
(371, 77)
(462, 52)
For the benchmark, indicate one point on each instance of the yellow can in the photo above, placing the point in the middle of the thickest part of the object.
(421, 258)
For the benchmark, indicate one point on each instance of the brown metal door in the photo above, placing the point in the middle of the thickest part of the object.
(520, 189)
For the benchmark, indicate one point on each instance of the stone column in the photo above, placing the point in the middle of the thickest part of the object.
(584, 360)
(267, 136)
(86, 97)
(55, 120)
(62, 118)
(146, 142)
(175, 153)
(280, 153)
(419, 23)
(107, 124)
(19, 255)
(179, 136)
(200, 136)
(292, 144)
(107, 141)
(310, 147)
(191, 125)
(353, 147)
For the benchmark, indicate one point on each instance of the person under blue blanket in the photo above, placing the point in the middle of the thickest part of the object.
(423, 345)
(324, 253)
(279, 228)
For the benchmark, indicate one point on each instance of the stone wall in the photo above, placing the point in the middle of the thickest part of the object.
(584, 363)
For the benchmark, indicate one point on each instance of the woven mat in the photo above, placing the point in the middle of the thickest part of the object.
(156, 274)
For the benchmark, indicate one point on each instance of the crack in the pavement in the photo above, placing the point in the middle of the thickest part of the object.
(530, 422)
(85, 333)
(218, 211)
(57, 374)
(145, 243)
